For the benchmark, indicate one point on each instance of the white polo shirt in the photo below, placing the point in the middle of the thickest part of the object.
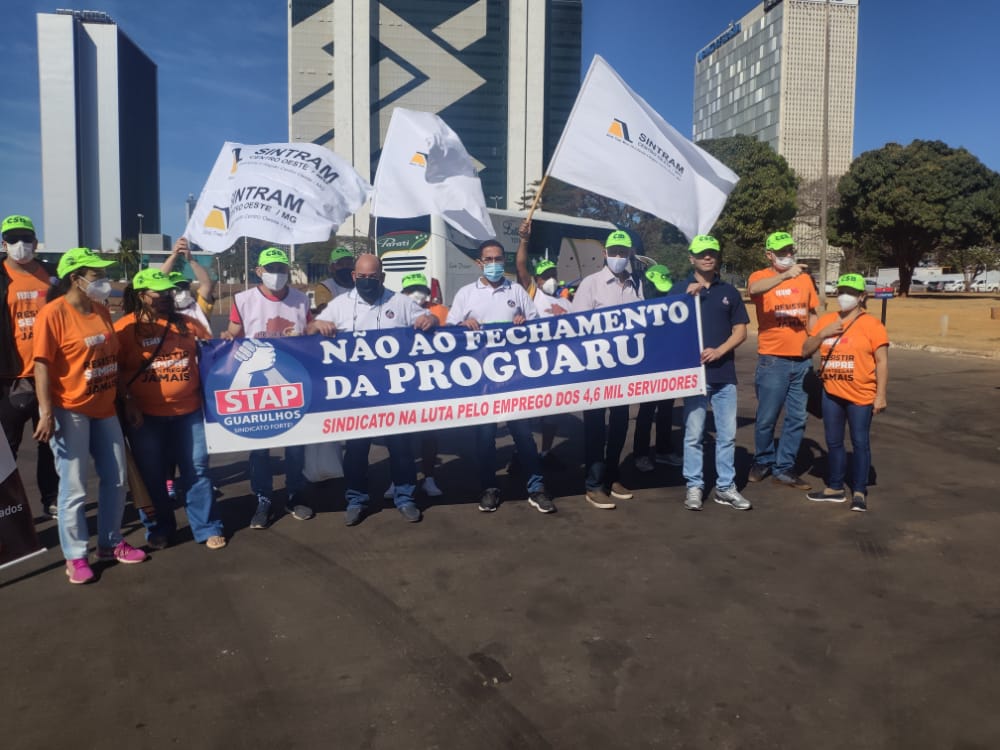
(351, 313)
(488, 304)
(604, 289)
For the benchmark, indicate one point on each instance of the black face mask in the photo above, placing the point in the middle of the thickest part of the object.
(343, 277)
(369, 290)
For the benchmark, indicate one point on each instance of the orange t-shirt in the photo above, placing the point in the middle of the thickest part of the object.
(440, 312)
(850, 371)
(171, 385)
(783, 313)
(81, 350)
(25, 297)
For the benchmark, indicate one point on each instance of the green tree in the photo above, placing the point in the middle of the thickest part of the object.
(128, 258)
(763, 201)
(915, 201)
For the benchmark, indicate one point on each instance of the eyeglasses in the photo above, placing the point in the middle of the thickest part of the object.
(705, 255)
(375, 276)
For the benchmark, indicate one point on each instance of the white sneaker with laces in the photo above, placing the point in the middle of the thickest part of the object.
(732, 498)
(692, 500)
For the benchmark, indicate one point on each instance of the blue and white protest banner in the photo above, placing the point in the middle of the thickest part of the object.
(261, 393)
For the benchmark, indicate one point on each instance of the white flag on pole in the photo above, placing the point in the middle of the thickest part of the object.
(279, 192)
(425, 169)
(616, 145)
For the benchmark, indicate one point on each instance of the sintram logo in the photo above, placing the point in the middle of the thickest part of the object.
(218, 218)
(619, 130)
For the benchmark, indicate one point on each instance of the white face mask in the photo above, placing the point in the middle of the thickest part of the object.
(183, 299)
(847, 302)
(549, 286)
(784, 262)
(274, 281)
(616, 264)
(21, 252)
(419, 297)
(98, 290)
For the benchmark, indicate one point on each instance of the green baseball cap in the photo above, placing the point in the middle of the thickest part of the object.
(618, 238)
(543, 265)
(176, 277)
(80, 257)
(702, 242)
(415, 279)
(17, 222)
(659, 276)
(153, 279)
(339, 253)
(271, 255)
(852, 281)
(779, 241)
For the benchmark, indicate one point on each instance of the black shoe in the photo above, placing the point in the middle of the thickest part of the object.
(542, 502)
(355, 514)
(489, 501)
(262, 516)
(791, 480)
(158, 540)
(826, 495)
(410, 512)
(758, 472)
(859, 503)
(298, 511)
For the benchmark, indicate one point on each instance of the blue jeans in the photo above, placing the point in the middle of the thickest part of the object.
(77, 438)
(723, 401)
(836, 412)
(401, 470)
(524, 443)
(156, 445)
(602, 445)
(261, 478)
(778, 383)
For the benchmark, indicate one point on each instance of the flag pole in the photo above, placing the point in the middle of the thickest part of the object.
(555, 154)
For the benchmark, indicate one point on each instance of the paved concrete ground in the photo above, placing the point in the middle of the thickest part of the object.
(791, 626)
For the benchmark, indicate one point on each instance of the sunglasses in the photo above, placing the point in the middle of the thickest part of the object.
(705, 254)
(12, 238)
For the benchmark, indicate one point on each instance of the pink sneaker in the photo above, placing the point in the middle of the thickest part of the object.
(79, 571)
(123, 553)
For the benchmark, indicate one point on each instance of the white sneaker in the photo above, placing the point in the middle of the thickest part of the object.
(390, 493)
(644, 464)
(430, 488)
(692, 500)
(732, 498)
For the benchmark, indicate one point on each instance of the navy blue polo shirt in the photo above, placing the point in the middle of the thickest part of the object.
(721, 308)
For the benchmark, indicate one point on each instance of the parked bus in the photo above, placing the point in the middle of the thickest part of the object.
(448, 258)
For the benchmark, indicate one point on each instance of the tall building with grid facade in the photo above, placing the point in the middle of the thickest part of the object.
(99, 126)
(351, 62)
(766, 75)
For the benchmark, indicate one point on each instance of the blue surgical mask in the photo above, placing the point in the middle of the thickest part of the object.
(493, 271)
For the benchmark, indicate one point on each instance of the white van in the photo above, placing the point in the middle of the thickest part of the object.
(448, 258)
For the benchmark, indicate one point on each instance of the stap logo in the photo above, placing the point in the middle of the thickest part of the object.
(618, 129)
(265, 396)
(419, 159)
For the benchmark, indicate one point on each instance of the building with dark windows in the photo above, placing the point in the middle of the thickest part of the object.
(785, 72)
(99, 126)
(352, 61)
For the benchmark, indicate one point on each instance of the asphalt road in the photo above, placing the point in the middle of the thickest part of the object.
(795, 625)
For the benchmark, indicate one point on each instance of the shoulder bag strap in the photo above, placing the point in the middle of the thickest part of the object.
(836, 341)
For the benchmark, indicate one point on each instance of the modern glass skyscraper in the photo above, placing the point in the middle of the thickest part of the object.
(352, 61)
(100, 143)
(783, 72)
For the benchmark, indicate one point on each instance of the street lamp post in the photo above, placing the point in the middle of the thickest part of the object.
(138, 247)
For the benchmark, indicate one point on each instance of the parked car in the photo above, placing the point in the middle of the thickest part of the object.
(982, 285)
(954, 286)
(916, 286)
(937, 285)
(870, 285)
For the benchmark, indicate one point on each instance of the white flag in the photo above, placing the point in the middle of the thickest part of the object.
(278, 192)
(616, 145)
(425, 169)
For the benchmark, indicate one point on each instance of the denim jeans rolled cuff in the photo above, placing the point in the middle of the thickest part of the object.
(262, 477)
(527, 453)
(838, 414)
(778, 385)
(77, 439)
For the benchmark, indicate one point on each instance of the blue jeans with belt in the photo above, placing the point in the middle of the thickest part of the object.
(778, 383)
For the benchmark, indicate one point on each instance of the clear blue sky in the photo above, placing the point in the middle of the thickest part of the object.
(925, 70)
